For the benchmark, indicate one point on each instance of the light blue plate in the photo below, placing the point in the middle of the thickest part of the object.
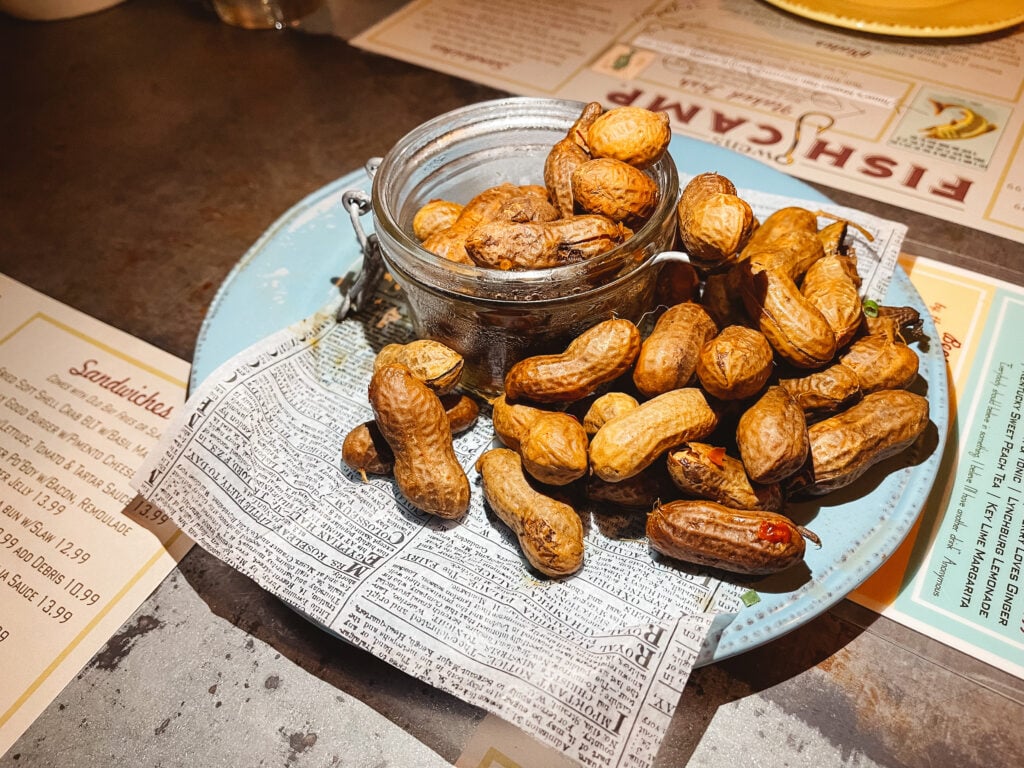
(286, 276)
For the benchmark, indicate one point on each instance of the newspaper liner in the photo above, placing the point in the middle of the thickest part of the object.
(592, 665)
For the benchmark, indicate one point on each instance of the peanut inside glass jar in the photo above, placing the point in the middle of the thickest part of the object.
(494, 317)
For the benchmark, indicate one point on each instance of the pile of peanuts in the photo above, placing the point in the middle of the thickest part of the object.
(768, 381)
(595, 194)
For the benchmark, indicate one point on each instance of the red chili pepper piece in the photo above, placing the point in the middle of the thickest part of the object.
(768, 531)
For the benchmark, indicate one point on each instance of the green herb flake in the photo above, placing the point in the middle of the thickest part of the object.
(750, 597)
(870, 308)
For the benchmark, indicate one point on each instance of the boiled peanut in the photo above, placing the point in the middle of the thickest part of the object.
(843, 447)
(780, 224)
(722, 300)
(777, 255)
(527, 207)
(641, 491)
(511, 420)
(566, 156)
(367, 452)
(831, 284)
(714, 223)
(881, 361)
(749, 542)
(434, 216)
(895, 321)
(554, 448)
(605, 408)
(833, 237)
(629, 443)
(705, 471)
(824, 391)
(614, 189)
(435, 364)
(597, 356)
(633, 135)
(550, 532)
(668, 356)
(414, 424)
(794, 327)
(788, 253)
(502, 244)
(677, 282)
(552, 445)
(772, 437)
(450, 243)
(735, 364)
(462, 411)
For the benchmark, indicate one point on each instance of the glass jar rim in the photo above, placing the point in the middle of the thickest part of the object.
(523, 111)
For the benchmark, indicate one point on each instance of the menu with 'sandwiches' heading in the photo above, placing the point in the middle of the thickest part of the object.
(81, 406)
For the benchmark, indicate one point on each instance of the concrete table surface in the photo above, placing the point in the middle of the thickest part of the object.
(144, 149)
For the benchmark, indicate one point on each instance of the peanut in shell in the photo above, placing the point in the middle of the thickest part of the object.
(705, 533)
(612, 188)
(630, 443)
(633, 135)
(597, 356)
(550, 532)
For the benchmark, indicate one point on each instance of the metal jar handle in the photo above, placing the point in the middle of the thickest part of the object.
(361, 281)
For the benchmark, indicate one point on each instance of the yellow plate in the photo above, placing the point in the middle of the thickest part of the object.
(911, 18)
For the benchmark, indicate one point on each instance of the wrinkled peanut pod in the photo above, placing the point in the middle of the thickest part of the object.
(502, 244)
(550, 532)
(824, 391)
(462, 411)
(450, 243)
(597, 356)
(552, 445)
(641, 491)
(605, 408)
(435, 364)
(772, 437)
(781, 224)
(434, 216)
(705, 471)
(511, 420)
(714, 223)
(414, 424)
(612, 188)
(831, 284)
(722, 300)
(629, 443)
(735, 364)
(633, 135)
(788, 253)
(566, 156)
(843, 447)
(881, 362)
(749, 542)
(554, 449)
(367, 452)
(527, 207)
(833, 238)
(896, 321)
(668, 356)
(677, 282)
(797, 331)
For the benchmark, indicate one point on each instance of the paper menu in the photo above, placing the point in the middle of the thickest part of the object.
(935, 128)
(81, 404)
(960, 575)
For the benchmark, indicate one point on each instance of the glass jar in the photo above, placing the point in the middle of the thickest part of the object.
(493, 317)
